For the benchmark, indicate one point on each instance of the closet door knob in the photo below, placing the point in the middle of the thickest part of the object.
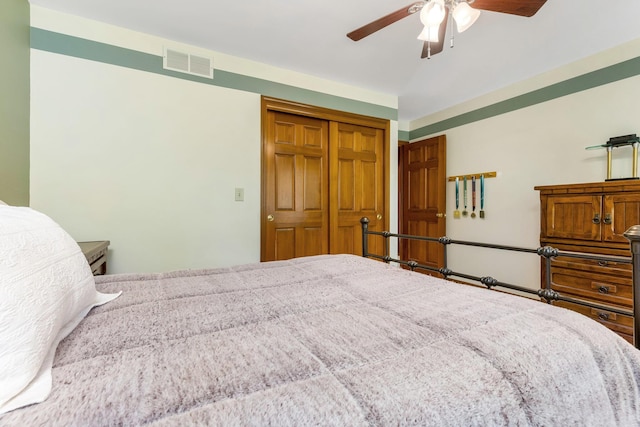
(596, 219)
(379, 216)
(270, 218)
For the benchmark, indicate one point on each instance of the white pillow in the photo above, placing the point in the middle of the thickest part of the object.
(46, 289)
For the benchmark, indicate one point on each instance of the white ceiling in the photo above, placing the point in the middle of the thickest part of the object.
(310, 37)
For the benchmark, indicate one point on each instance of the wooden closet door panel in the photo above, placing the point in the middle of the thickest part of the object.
(357, 186)
(285, 182)
(285, 242)
(296, 198)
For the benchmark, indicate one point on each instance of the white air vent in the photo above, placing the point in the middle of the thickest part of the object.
(188, 63)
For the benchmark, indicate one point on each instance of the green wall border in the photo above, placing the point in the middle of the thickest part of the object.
(101, 52)
(603, 76)
(404, 135)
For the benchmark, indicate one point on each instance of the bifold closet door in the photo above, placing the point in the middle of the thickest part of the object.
(356, 186)
(296, 199)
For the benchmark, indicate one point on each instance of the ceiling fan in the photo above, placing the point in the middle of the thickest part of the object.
(435, 14)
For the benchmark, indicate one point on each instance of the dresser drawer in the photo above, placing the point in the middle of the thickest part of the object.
(619, 323)
(606, 288)
(620, 269)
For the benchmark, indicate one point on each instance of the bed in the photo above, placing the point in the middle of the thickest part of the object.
(324, 340)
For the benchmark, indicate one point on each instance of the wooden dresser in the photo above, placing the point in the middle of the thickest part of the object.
(592, 218)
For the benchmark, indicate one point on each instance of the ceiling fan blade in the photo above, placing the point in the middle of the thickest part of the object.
(380, 23)
(442, 33)
(513, 7)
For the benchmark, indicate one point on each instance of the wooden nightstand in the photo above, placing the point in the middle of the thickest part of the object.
(96, 254)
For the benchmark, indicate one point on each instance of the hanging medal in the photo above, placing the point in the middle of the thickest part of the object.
(473, 196)
(481, 196)
(464, 191)
(456, 213)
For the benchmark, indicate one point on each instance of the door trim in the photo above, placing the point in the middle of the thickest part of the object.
(401, 192)
(274, 104)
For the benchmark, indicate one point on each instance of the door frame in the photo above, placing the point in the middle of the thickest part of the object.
(281, 105)
(401, 192)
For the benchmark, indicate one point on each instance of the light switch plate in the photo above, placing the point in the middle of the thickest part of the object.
(239, 194)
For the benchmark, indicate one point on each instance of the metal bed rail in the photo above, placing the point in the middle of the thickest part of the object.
(545, 252)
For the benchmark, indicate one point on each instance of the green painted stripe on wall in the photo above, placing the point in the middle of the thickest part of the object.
(610, 74)
(404, 135)
(95, 51)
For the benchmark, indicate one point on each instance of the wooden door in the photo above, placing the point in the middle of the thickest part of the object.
(620, 212)
(296, 194)
(423, 175)
(322, 170)
(576, 216)
(357, 187)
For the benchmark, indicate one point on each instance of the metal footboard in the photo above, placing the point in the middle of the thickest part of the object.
(545, 252)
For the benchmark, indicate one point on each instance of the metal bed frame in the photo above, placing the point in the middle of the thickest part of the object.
(545, 252)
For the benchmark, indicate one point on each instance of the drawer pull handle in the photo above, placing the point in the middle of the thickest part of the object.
(603, 289)
(607, 219)
(603, 316)
(603, 263)
(596, 219)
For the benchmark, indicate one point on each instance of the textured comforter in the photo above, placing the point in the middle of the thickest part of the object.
(333, 340)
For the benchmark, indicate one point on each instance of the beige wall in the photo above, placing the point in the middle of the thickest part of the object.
(149, 161)
(146, 161)
(14, 102)
(538, 145)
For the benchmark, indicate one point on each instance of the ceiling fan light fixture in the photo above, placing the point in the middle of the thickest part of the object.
(432, 13)
(465, 16)
(429, 34)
